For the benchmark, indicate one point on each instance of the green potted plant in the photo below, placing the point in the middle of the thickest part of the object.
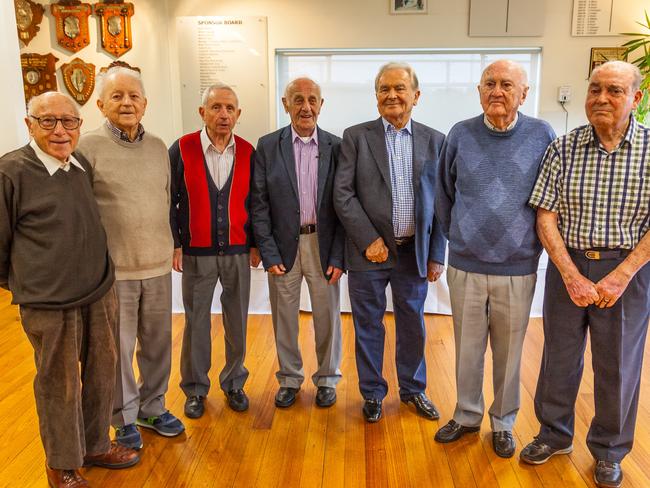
(641, 44)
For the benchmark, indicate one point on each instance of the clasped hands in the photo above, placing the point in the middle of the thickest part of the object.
(604, 294)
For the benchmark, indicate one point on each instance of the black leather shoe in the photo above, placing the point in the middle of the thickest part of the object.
(608, 474)
(237, 400)
(325, 396)
(503, 443)
(423, 406)
(452, 431)
(194, 407)
(372, 410)
(285, 397)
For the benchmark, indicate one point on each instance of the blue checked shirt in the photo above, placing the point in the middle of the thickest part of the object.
(399, 145)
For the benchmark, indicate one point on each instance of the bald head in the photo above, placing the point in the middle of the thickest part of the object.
(514, 70)
(503, 89)
(36, 103)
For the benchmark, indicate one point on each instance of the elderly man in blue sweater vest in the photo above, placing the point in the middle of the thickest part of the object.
(487, 170)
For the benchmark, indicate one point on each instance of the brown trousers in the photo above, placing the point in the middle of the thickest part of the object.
(75, 355)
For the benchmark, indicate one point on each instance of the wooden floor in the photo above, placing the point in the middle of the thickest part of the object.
(307, 446)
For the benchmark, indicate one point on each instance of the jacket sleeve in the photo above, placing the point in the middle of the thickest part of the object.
(337, 250)
(7, 222)
(445, 187)
(261, 212)
(176, 166)
(355, 221)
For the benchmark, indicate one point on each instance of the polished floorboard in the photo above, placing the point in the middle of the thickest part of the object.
(305, 446)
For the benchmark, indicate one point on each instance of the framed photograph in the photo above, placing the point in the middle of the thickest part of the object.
(408, 7)
(600, 55)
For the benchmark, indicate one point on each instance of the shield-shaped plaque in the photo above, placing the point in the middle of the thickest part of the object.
(28, 16)
(121, 64)
(38, 74)
(115, 21)
(72, 24)
(79, 79)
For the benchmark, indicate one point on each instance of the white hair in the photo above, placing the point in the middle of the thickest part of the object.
(35, 102)
(395, 65)
(112, 73)
(621, 65)
(217, 85)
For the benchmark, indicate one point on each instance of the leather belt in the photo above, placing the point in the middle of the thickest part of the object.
(600, 254)
(400, 241)
(308, 229)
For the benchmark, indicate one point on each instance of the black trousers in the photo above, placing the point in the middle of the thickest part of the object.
(617, 344)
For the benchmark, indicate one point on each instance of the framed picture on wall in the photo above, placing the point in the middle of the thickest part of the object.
(400, 7)
(600, 55)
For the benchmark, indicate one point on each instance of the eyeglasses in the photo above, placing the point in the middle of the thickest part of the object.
(49, 123)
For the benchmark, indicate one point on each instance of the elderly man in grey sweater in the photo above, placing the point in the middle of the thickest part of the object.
(487, 170)
(131, 181)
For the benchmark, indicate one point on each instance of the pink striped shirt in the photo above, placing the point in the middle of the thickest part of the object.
(306, 156)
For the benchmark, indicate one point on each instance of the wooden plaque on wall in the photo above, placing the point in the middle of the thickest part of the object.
(72, 24)
(115, 25)
(28, 16)
(79, 79)
(38, 74)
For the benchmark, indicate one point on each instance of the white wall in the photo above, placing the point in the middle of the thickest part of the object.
(321, 24)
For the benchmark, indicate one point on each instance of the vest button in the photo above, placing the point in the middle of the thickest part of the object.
(220, 253)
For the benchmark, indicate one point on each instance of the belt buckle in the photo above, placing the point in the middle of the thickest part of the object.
(592, 255)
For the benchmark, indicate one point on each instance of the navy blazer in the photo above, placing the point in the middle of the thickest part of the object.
(276, 207)
(362, 195)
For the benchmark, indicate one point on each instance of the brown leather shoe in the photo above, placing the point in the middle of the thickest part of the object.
(65, 478)
(116, 457)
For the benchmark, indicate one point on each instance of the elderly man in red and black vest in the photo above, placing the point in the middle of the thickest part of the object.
(210, 218)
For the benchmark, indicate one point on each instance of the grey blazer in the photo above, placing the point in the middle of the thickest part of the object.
(275, 205)
(362, 195)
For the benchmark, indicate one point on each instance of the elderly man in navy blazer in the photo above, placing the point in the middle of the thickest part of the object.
(299, 235)
(383, 194)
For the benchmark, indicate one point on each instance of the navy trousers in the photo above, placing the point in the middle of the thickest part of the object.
(368, 300)
(617, 343)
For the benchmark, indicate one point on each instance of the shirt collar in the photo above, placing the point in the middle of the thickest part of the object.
(206, 143)
(52, 165)
(492, 127)
(589, 136)
(312, 137)
(387, 124)
(122, 135)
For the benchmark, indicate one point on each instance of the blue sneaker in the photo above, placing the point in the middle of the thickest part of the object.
(166, 424)
(128, 436)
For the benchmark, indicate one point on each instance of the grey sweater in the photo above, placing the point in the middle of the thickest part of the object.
(53, 252)
(484, 180)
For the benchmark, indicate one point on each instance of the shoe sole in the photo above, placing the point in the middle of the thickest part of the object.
(468, 430)
(159, 432)
(123, 465)
(420, 413)
(567, 450)
(284, 405)
(605, 485)
(504, 455)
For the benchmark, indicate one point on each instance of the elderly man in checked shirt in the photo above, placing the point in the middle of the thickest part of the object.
(383, 195)
(593, 212)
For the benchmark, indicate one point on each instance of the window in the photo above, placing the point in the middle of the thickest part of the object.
(448, 80)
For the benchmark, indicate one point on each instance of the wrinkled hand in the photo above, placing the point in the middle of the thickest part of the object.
(254, 257)
(611, 287)
(334, 273)
(277, 269)
(177, 260)
(434, 270)
(582, 291)
(377, 252)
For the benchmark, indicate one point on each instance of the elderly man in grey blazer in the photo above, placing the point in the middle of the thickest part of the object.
(299, 235)
(383, 194)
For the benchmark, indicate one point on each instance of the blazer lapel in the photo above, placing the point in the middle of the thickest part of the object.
(377, 143)
(286, 151)
(420, 144)
(324, 158)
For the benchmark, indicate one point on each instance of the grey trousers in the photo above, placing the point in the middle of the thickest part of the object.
(284, 294)
(200, 275)
(73, 403)
(144, 319)
(617, 337)
(498, 307)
